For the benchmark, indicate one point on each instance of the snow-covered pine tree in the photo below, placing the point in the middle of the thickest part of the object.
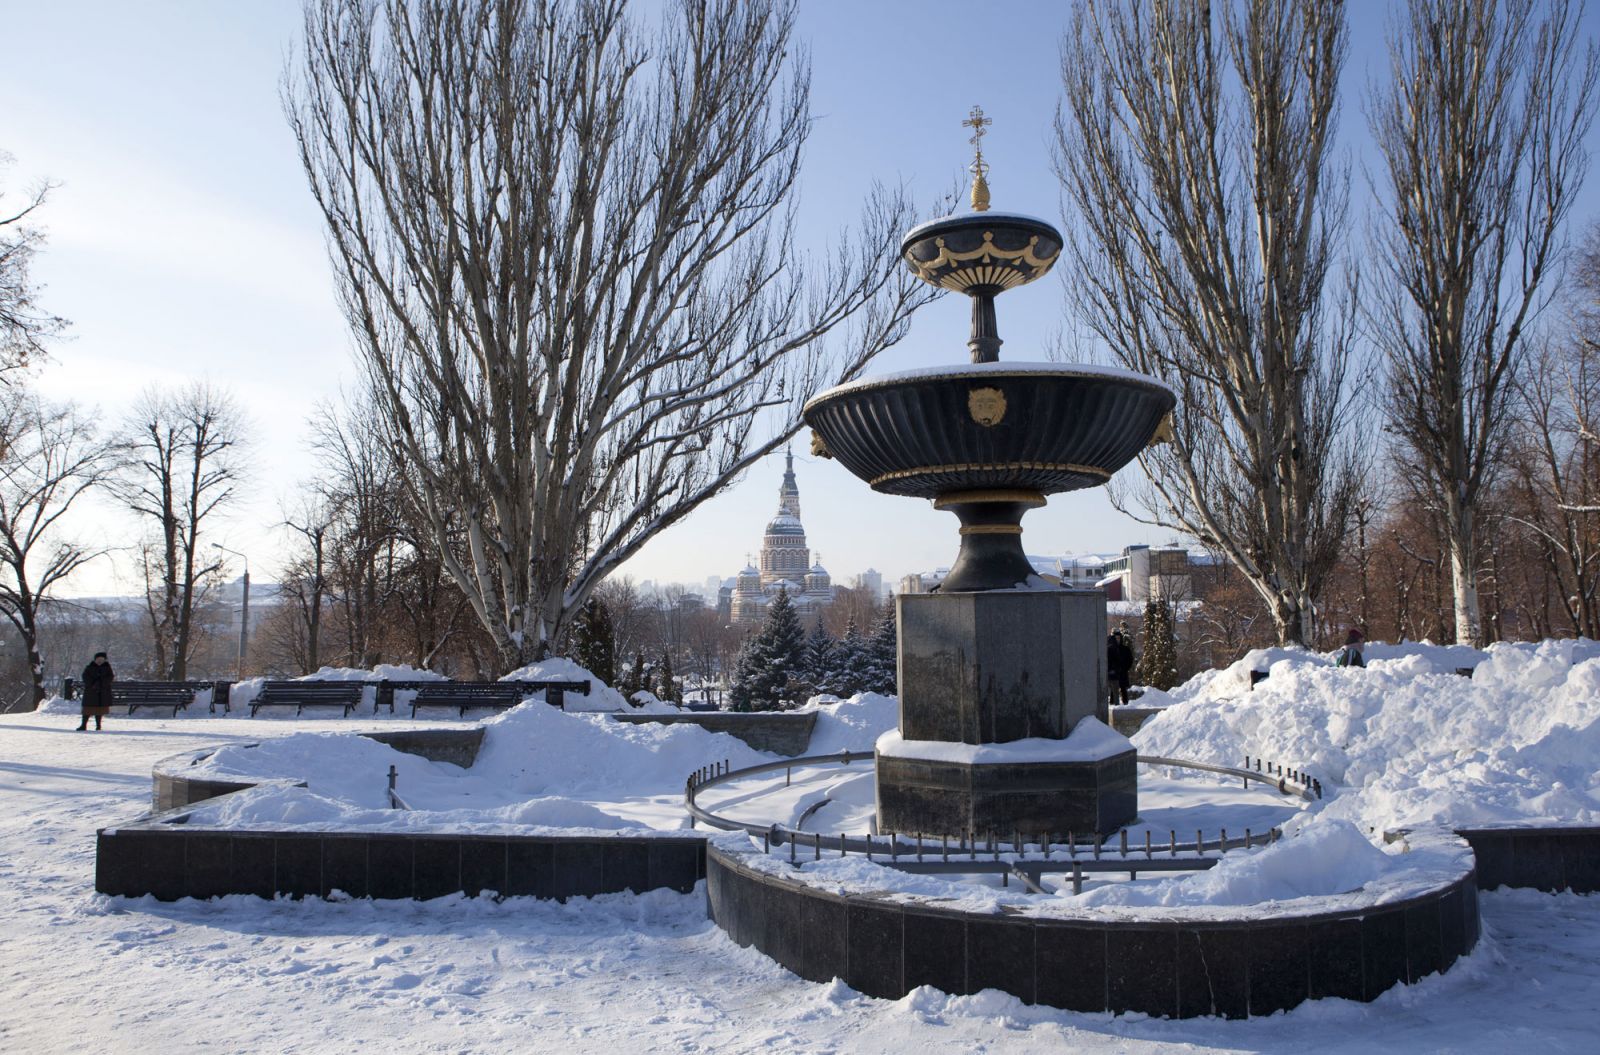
(882, 655)
(667, 688)
(1158, 664)
(594, 642)
(770, 660)
(821, 652)
(637, 677)
(850, 663)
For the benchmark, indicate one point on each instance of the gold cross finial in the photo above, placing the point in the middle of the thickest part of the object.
(980, 168)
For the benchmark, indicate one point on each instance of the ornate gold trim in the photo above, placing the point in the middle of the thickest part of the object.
(962, 498)
(988, 253)
(990, 467)
(992, 529)
(819, 446)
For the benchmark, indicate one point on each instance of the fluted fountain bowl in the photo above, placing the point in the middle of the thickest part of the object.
(988, 441)
(1044, 427)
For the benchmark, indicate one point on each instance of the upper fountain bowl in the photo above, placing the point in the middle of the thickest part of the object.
(981, 252)
(1039, 427)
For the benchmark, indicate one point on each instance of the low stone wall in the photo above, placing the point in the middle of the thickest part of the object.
(1549, 859)
(781, 732)
(1129, 720)
(1176, 969)
(171, 860)
(457, 746)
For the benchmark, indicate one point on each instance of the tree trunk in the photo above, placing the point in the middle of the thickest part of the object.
(1464, 577)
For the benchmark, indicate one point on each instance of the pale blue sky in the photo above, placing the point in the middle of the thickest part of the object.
(183, 242)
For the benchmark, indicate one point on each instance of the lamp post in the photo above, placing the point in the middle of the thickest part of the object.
(244, 612)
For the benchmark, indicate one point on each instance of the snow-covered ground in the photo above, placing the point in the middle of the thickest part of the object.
(84, 973)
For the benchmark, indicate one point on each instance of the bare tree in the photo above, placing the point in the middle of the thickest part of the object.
(1481, 129)
(563, 243)
(1193, 146)
(183, 453)
(51, 458)
(24, 326)
(304, 582)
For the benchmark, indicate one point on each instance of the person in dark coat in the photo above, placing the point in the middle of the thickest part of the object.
(1351, 655)
(97, 679)
(1119, 665)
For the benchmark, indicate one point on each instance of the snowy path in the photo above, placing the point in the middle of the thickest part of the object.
(83, 973)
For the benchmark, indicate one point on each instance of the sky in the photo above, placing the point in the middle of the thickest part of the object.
(183, 242)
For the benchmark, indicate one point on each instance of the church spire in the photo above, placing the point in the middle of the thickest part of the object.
(789, 493)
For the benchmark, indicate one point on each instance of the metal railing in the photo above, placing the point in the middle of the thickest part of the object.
(1026, 858)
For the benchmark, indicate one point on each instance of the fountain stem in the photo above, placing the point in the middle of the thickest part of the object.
(985, 340)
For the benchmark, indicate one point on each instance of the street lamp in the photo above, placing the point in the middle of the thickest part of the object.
(244, 613)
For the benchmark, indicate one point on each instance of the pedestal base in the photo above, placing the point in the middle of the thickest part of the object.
(967, 801)
(1084, 783)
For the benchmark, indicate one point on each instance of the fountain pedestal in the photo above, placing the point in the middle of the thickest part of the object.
(1002, 694)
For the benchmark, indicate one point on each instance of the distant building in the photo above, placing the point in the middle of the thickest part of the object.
(785, 565)
(871, 581)
(1144, 572)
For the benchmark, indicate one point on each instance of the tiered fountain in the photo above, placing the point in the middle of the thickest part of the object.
(1002, 675)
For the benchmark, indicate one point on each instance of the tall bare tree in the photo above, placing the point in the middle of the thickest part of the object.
(183, 453)
(563, 242)
(1194, 146)
(24, 325)
(1481, 129)
(50, 457)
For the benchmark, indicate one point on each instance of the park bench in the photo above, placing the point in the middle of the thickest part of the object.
(303, 694)
(175, 694)
(494, 694)
(136, 694)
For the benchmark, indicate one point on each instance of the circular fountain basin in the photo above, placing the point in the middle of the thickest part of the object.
(1039, 427)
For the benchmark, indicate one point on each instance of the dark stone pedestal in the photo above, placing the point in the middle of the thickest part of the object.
(986, 668)
(979, 799)
(994, 668)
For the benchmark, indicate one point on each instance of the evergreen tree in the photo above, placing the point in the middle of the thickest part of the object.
(820, 655)
(637, 678)
(882, 651)
(771, 660)
(594, 644)
(1158, 665)
(667, 685)
(850, 674)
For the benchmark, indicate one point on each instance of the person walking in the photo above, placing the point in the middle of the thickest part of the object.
(97, 679)
(1350, 655)
(1119, 664)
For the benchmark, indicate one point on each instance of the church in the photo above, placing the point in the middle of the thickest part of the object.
(785, 565)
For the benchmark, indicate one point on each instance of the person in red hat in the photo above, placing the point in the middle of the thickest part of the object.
(1350, 655)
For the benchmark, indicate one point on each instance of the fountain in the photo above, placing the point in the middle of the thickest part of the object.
(1002, 675)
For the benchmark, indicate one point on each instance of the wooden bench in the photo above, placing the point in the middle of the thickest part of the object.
(175, 694)
(554, 692)
(136, 694)
(463, 695)
(302, 694)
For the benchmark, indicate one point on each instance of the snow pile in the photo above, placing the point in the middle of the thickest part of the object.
(276, 806)
(1406, 741)
(851, 725)
(59, 705)
(535, 750)
(602, 697)
(1328, 857)
(536, 766)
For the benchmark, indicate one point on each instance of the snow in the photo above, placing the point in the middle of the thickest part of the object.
(602, 697)
(1407, 742)
(985, 215)
(979, 371)
(1091, 740)
(83, 972)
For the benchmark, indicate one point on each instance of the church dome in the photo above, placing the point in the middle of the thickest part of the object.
(784, 524)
